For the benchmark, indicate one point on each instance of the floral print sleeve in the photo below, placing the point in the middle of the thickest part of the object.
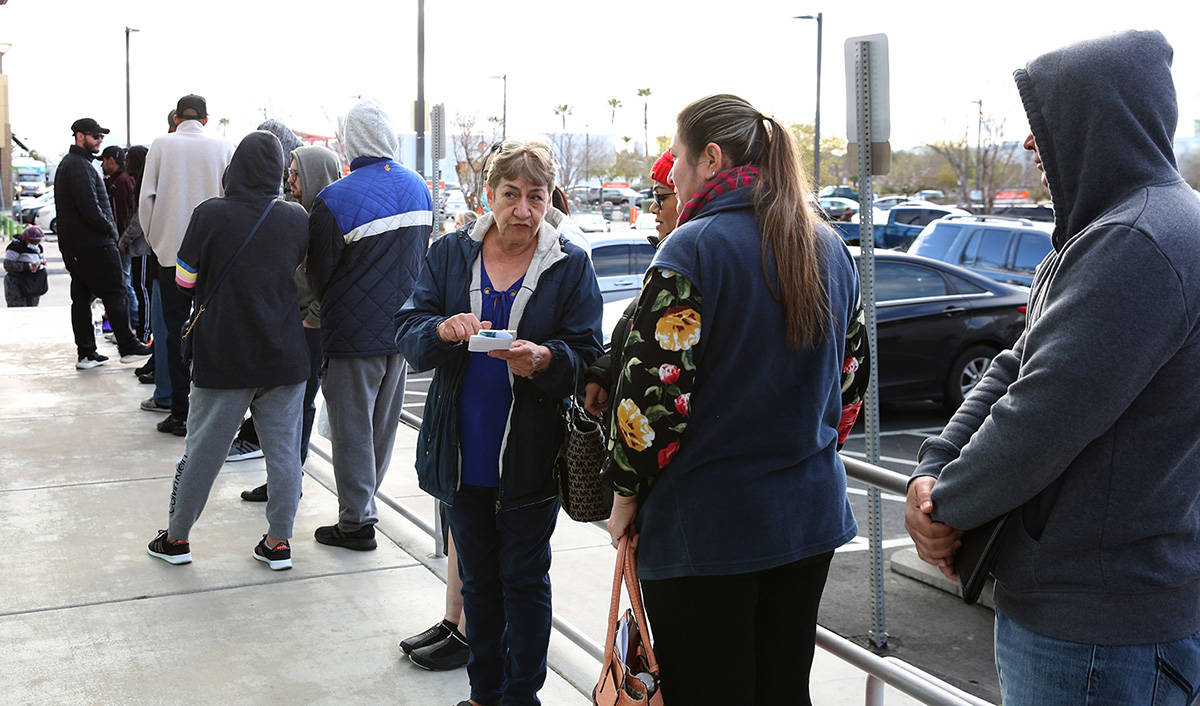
(651, 401)
(855, 373)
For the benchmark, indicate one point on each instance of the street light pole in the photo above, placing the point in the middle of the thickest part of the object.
(419, 117)
(820, 18)
(128, 135)
(504, 108)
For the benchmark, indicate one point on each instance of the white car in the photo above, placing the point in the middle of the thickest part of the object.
(45, 218)
(620, 261)
(591, 223)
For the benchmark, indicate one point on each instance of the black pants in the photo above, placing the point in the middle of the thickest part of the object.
(96, 274)
(142, 271)
(177, 306)
(720, 639)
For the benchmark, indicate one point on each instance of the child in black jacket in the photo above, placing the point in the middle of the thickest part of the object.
(25, 269)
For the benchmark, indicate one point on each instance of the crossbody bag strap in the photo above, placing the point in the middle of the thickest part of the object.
(228, 266)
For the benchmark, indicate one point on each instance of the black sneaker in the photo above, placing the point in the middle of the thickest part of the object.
(443, 656)
(278, 559)
(255, 495)
(90, 360)
(361, 540)
(137, 352)
(173, 425)
(176, 551)
(433, 635)
(242, 450)
(147, 368)
(146, 378)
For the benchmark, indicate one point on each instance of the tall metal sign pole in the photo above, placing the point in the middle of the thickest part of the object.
(128, 133)
(868, 128)
(419, 110)
(437, 127)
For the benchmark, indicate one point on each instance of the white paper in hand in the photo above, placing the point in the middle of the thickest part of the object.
(488, 340)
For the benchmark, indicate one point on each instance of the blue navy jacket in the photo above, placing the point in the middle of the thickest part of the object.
(367, 233)
(757, 482)
(559, 306)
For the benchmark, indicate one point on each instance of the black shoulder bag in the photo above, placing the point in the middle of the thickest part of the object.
(186, 338)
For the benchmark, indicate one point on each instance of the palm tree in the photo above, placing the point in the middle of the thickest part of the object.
(614, 104)
(626, 139)
(224, 123)
(563, 111)
(644, 94)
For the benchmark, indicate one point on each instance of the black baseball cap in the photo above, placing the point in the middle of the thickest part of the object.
(115, 152)
(191, 107)
(88, 126)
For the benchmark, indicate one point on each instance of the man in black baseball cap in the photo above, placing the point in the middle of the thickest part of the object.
(87, 237)
(192, 107)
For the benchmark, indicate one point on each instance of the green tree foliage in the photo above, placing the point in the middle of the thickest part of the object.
(833, 153)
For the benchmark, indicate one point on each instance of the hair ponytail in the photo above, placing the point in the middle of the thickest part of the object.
(789, 229)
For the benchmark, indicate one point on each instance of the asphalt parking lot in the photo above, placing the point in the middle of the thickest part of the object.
(926, 627)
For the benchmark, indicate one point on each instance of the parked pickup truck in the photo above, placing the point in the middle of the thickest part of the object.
(903, 224)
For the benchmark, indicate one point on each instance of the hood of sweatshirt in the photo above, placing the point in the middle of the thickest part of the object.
(253, 172)
(1103, 114)
(368, 132)
(319, 167)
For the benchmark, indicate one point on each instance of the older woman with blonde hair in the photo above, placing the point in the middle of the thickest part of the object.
(492, 424)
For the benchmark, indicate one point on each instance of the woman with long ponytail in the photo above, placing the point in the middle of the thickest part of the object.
(738, 383)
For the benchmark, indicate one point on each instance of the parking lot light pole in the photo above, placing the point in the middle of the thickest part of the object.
(128, 135)
(6, 174)
(504, 107)
(816, 175)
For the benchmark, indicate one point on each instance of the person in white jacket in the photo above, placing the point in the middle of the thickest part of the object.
(183, 169)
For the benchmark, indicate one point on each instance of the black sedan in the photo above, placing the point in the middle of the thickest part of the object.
(939, 326)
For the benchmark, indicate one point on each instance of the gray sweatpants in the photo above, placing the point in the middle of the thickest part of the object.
(213, 420)
(365, 396)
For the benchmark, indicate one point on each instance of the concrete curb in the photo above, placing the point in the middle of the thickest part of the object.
(906, 563)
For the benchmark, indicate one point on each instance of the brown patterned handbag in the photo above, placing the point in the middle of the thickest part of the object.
(577, 468)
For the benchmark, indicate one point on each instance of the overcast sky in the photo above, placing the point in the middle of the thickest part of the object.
(303, 62)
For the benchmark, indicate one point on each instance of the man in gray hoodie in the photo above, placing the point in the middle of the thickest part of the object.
(1086, 430)
(367, 236)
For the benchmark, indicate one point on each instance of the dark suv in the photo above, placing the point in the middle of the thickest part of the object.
(1004, 249)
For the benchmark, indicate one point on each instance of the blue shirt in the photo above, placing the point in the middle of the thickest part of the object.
(486, 395)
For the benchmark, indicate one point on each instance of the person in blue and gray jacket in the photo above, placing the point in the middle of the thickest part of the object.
(367, 234)
(1087, 427)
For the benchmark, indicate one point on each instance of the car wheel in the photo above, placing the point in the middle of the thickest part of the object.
(54, 225)
(965, 373)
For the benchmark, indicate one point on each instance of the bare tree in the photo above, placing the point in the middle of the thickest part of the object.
(957, 154)
(470, 149)
(995, 162)
(576, 155)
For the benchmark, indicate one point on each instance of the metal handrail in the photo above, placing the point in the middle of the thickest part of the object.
(890, 670)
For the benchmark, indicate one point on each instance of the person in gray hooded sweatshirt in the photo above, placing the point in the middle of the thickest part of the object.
(238, 256)
(368, 232)
(1086, 429)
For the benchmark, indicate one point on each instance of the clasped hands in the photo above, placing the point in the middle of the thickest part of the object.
(935, 542)
(524, 357)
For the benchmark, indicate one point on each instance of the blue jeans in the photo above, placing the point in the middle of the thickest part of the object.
(504, 561)
(1035, 669)
(162, 376)
(127, 273)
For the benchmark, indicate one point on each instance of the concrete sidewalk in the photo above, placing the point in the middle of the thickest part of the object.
(87, 617)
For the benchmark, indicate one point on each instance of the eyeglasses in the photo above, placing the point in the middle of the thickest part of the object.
(97, 136)
(660, 197)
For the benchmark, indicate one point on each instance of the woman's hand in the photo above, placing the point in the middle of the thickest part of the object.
(460, 327)
(524, 358)
(595, 399)
(620, 521)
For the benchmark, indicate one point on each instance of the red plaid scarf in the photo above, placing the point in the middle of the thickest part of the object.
(722, 182)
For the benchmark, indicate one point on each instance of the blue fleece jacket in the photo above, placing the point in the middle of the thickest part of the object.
(1088, 424)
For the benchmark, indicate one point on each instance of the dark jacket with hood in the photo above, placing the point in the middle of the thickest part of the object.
(250, 334)
(559, 306)
(367, 233)
(1089, 423)
(85, 218)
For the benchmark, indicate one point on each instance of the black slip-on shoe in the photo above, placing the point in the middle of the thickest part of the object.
(361, 540)
(433, 635)
(443, 656)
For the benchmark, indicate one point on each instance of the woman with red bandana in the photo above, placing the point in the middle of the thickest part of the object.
(736, 386)
(600, 378)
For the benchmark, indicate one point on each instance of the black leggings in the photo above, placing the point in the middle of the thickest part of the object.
(721, 639)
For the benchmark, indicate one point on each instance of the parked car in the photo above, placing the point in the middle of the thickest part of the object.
(939, 326)
(618, 197)
(29, 207)
(885, 203)
(837, 207)
(1042, 213)
(1004, 249)
(620, 261)
(904, 222)
(591, 222)
(844, 191)
(45, 218)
